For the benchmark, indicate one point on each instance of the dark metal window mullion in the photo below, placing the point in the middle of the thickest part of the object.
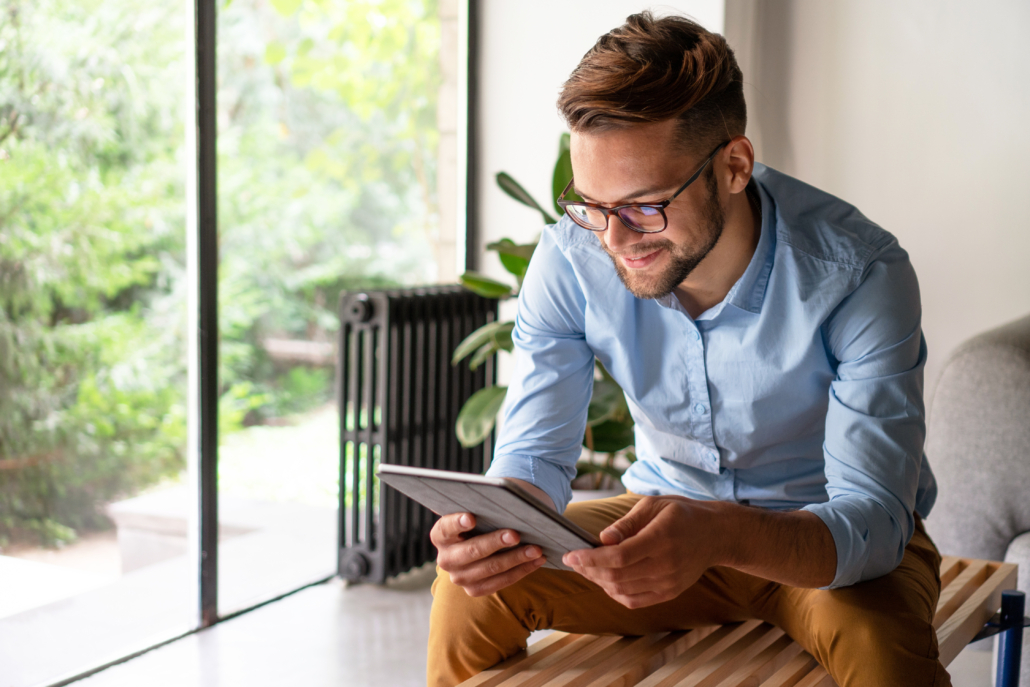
(472, 233)
(207, 199)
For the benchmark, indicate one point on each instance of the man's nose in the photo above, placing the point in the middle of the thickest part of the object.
(618, 236)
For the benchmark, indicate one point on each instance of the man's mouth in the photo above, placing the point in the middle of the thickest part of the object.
(640, 261)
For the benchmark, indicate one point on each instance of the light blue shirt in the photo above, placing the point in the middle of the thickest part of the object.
(802, 389)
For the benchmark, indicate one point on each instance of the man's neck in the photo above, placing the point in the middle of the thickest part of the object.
(711, 280)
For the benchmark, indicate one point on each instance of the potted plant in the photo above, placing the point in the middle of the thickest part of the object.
(609, 432)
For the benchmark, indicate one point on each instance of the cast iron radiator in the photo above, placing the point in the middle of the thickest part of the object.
(399, 397)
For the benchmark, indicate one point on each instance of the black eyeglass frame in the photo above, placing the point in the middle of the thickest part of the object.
(659, 206)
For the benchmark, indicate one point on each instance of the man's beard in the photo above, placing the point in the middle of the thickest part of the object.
(682, 259)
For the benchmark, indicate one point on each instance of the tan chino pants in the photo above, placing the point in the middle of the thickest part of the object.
(873, 633)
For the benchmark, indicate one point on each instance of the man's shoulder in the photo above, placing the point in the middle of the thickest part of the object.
(567, 248)
(817, 226)
(569, 237)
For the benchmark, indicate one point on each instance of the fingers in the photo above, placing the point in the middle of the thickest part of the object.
(648, 575)
(642, 513)
(622, 555)
(449, 528)
(490, 585)
(626, 541)
(490, 574)
(644, 573)
(463, 553)
(484, 563)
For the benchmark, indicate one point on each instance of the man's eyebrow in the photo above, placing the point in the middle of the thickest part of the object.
(651, 191)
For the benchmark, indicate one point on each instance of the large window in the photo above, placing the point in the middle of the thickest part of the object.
(327, 181)
(329, 122)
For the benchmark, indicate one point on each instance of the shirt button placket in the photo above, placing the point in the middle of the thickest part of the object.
(702, 418)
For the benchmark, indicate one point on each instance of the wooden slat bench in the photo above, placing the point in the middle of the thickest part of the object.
(751, 653)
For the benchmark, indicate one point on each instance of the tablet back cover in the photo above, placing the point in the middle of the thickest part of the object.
(495, 508)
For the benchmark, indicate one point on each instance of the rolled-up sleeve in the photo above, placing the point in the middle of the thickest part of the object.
(875, 423)
(545, 409)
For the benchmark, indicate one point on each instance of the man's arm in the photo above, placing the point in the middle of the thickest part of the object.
(545, 413)
(665, 543)
(873, 449)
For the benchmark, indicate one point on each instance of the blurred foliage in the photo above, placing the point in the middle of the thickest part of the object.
(327, 140)
(327, 176)
(91, 245)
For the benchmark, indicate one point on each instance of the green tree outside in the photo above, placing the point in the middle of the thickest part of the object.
(327, 181)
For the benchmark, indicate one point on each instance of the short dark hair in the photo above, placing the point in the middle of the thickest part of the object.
(653, 70)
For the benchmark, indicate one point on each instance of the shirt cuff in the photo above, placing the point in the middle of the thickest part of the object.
(850, 532)
(553, 480)
(870, 543)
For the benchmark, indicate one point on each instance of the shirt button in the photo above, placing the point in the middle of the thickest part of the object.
(697, 335)
(713, 456)
(699, 409)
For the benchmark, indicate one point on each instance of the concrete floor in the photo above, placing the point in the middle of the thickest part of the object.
(329, 634)
(334, 635)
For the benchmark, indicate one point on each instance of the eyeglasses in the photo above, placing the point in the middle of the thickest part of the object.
(644, 218)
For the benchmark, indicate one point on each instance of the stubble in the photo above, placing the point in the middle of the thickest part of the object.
(682, 259)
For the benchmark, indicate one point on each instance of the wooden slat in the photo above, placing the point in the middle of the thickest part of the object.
(951, 566)
(536, 651)
(705, 650)
(554, 665)
(749, 654)
(817, 678)
(633, 659)
(789, 675)
(955, 594)
(963, 625)
(764, 665)
(715, 671)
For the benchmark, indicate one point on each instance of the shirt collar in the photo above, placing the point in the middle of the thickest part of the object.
(748, 292)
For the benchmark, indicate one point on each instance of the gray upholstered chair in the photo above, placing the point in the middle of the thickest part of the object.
(978, 442)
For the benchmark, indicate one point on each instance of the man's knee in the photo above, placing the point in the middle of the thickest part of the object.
(863, 643)
(466, 634)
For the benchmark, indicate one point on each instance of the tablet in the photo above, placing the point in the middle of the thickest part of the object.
(497, 503)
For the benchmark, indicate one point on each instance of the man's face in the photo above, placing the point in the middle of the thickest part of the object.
(641, 164)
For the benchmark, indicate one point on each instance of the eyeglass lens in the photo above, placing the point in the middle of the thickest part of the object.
(639, 217)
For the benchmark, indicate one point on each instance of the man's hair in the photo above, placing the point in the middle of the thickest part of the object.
(653, 70)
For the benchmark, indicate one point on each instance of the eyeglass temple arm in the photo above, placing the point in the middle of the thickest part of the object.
(566, 190)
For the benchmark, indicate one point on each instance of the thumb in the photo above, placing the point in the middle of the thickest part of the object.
(632, 522)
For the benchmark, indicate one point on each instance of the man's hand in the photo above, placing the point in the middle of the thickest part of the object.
(486, 563)
(653, 553)
(665, 543)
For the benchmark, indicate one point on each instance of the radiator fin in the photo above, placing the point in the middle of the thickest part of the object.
(399, 397)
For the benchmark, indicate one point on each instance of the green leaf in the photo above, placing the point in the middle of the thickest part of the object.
(509, 247)
(479, 414)
(275, 52)
(286, 7)
(514, 257)
(497, 334)
(484, 285)
(611, 436)
(482, 355)
(562, 174)
(515, 190)
(606, 403)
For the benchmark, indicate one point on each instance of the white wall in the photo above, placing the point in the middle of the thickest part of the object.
(528, 48)
(917, 112)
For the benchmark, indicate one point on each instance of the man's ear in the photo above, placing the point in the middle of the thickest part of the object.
(740, 162)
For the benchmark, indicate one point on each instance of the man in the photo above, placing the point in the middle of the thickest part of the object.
(768, 340)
